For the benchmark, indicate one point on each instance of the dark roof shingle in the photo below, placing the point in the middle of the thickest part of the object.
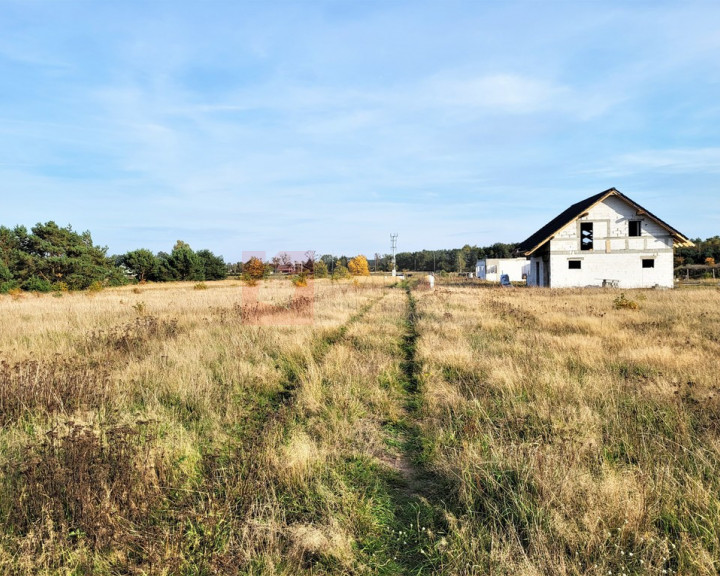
(545, 233)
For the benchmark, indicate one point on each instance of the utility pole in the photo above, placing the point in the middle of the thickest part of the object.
(393, 243)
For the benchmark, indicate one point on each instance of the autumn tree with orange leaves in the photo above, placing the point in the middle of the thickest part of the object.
(358, 266)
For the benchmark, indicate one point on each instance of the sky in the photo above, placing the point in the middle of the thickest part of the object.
(303, 125)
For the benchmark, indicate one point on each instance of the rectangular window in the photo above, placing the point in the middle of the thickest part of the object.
(574, 264)
(648, 263)
(634, 228)
(586, 235)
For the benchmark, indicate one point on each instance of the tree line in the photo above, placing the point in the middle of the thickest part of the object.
(705, 252)
(52, 258)
(49, 257)
(458, 260)
(183, 263)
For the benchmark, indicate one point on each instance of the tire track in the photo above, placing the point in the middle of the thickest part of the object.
(418, 494)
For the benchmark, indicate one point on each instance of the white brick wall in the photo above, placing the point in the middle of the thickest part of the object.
(615, 255)
(495, 267)
(624, 268)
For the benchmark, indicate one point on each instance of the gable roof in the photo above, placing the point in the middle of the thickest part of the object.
(547, 232)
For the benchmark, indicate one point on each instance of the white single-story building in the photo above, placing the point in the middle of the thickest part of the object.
(605, 240)
(492, 268)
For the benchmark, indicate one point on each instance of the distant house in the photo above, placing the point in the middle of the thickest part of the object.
(492, 268)
(605, 240)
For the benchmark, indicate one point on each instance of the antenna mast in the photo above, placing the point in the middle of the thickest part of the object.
(393, 243)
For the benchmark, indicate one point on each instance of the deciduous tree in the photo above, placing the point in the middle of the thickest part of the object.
(254, 268)
(358, 266)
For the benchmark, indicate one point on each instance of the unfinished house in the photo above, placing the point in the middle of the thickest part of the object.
(605, 240)
(491, 269)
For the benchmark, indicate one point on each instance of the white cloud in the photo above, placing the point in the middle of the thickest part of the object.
(676, 160)
(509, 93)
(671, 161)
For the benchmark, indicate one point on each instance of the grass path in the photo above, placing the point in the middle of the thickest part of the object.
(417, 494)
(280, 405)
(355, 495)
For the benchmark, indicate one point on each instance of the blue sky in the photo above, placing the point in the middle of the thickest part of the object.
(309, 125)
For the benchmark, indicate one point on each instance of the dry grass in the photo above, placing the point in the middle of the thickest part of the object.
(351, 428)
(581, 437)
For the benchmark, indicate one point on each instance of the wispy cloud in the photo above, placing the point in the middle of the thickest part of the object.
(706, 160)
(672, 161)
(257, 126)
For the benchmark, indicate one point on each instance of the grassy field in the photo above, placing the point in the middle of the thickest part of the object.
(360, 428)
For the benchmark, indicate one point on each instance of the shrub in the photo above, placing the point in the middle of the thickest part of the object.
(300, 280)
(16, 293)
(249, 280)
(622, 302)
(7, 287)
(35, 284)
(50, 387)
(320, 270)
(140, 307)
(340, 272)
(95, 483)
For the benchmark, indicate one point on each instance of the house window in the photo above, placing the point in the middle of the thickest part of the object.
(574, 264)
(648, 263)
(586, 235)
(634, 228)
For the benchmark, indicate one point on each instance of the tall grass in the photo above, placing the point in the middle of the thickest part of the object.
(163, 429)
(139, 429)
(580, 437)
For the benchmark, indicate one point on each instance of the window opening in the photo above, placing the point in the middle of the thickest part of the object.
(648, 263)
(634, 228)
(574, 264)
(586, 235)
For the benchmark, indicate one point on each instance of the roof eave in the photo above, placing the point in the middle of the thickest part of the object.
(683, 242)
(680, 240)
(537, 247)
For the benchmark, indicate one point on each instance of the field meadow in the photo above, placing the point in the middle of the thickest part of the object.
(360, 427)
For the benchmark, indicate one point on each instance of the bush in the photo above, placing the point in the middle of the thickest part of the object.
(340, 272)
(249, 280)
(300, 280)
(320, 270)
(622, 302)
(16, 293)
(7, 287)
(35, 284)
